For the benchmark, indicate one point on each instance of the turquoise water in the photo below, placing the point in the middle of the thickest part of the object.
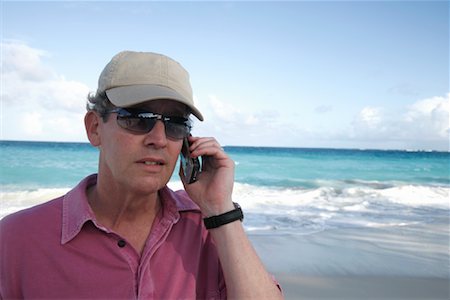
(32, 165)
(283, 189)
(306, 168)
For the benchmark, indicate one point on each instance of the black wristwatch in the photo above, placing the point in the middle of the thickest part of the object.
(228, 217)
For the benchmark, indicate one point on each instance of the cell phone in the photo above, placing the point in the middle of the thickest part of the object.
(190, 167)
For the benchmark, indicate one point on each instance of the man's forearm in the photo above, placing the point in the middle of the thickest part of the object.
(245, 275)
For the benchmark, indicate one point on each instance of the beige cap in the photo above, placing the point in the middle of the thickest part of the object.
(134, 77)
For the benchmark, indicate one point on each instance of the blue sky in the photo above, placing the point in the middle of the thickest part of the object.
(296, 74)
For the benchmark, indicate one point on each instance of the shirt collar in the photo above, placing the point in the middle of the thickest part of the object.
(77, 211)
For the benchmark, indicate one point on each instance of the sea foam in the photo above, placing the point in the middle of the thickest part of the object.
(303, 211)
(11, 202)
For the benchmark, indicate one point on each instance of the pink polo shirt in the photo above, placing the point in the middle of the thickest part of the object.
(58, 250)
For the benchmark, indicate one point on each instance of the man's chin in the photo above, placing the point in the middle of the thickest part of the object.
(149, 185)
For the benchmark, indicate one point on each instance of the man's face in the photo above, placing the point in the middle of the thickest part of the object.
(139, 163)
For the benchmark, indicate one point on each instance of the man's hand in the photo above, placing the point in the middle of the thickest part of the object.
(213, 189)
(245, 275)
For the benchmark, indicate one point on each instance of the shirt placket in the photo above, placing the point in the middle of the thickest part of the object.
(157, 237)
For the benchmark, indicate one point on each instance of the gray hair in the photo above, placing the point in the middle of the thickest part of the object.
(100, 104)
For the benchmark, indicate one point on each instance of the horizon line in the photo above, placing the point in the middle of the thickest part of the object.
(254, 146)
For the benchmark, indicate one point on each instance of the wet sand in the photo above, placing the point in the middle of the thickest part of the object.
(362, 287)
(382, 263)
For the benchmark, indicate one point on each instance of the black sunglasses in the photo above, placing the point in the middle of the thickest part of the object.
(139, 121)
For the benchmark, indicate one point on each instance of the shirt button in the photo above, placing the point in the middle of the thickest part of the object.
(121, 243)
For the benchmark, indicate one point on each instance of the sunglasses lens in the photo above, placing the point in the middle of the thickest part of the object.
(175, 127)
(177, 131)
(136, 124)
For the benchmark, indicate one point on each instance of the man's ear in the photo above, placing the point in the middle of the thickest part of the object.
(91, 123)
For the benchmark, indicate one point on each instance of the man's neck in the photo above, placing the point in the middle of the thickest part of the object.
(129, 215)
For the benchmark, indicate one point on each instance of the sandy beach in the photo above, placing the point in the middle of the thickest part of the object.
(355, 264)
(362, 287)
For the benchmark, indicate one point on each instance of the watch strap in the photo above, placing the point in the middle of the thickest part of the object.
(225, 218)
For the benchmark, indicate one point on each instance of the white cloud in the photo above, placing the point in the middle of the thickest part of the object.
(422, 125)
(31, 123)
(252, 120)
(224, 111)
(233, 126)
(369, 117)
(430, 116)
(24, 62)
(45, 100)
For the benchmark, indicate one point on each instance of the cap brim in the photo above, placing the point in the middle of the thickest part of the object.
(129, 95)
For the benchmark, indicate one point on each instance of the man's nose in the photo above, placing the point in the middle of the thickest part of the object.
(157, 136)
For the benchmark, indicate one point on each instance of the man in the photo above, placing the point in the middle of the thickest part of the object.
(121, 233)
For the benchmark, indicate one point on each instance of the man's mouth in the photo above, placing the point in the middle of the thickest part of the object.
(153, 163)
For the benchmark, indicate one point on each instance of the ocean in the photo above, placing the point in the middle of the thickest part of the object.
(292, 190)
(283, 191)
